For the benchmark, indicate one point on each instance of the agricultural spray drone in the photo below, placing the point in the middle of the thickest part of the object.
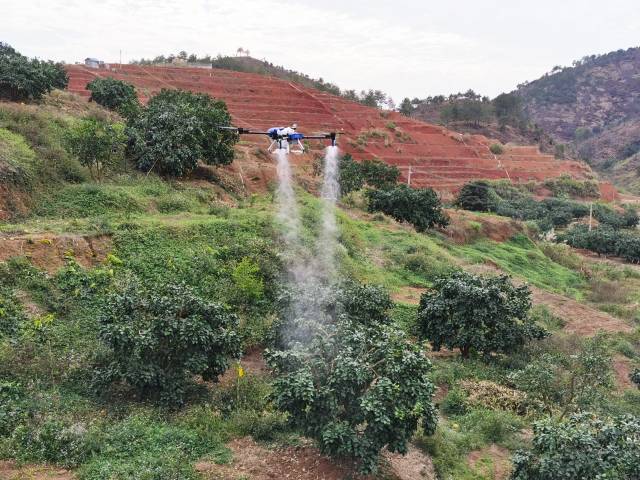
(285, 137)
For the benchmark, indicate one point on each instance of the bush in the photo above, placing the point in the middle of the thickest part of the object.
(374, 173)
(583, 446)
(420, 207)
(11, 313)
(114, 95)
(564, 383)
(356, 384)
(23, 79)
(97, 144)
(496, 149)
(635, 376)
(475, 313)
(477, 196)
(566, 186)
(159, 339)
(604, 240)
(178, 128)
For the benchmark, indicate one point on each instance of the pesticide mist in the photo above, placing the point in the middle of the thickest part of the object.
(311, 270)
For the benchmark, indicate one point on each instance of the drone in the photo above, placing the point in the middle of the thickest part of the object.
(285, 138)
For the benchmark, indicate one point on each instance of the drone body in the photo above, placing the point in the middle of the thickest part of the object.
(285, 137)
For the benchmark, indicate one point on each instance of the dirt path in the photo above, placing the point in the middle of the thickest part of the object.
(499, 467)
(579, 318)
(10, 471)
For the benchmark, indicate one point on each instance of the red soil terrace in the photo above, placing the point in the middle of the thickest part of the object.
(431, 155)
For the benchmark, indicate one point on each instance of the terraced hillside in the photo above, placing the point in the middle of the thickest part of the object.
(430, 155)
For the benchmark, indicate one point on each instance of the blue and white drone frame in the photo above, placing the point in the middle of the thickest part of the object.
(284, 137)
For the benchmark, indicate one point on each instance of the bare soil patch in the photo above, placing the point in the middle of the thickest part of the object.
(410, 295)
(579, 318)
(48, 251)
(465, 227)
(256, 462)
(10, 471)
(622, 369)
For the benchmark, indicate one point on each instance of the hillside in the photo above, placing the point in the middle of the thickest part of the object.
(437, 157)
(593, 105)
(79, 244)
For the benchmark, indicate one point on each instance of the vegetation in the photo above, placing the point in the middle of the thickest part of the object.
(23, 79)
(496, 149)
(97, 144)
(420, 207)
(115, 95)
(562, 383)
(159, 339)
(583, 446)
(356, 385)
(373, 173)
(604, 240)
(178, 128)
(477, 314)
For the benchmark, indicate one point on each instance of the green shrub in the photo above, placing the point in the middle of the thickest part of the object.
(635, 376)
(477, 314)
(357, 384)
(374, 173)
(16, 160)
(496, 149)
(115, 95)
(583, 446)
(455, 403)
(567, 382)
(176, 129)
(23, 79)
(52, 441)
(159, 338)
(566, 186)
(421, 207)
(477, 196)
(11, 313)
(97, 144)
(14, 411)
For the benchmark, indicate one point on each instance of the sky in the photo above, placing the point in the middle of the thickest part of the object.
(414, 48)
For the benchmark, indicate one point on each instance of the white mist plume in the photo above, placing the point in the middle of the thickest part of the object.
(309, 274)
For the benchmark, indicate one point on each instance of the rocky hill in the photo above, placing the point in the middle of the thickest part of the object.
(595, 107)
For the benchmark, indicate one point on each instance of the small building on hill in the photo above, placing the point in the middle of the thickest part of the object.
(93, 63)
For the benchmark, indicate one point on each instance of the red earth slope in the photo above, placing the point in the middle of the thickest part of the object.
(432, 155)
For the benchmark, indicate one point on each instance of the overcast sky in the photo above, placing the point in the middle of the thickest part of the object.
(413, 48)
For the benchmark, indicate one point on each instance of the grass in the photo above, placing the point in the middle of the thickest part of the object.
(522, 258)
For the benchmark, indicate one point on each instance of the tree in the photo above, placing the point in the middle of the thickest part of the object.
(178, 128)
(356, 383)
(159, 338)
(477, 196)
(97, 144)
(351, 178)
(378, 174)
(374, 173)
(114, 95)
(508, 109)
(406, 107)
(421, 207)
(24, 79)
(477, 314)
(583, 446)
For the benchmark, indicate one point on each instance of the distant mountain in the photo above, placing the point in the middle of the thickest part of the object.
(594, 107)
